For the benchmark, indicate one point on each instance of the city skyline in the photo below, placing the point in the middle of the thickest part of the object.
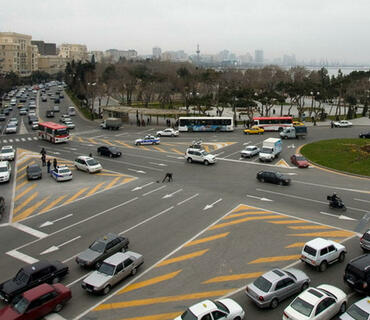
(308, 31)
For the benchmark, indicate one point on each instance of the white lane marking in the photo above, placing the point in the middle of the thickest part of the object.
(331, 187)
(259, 198)
(17, 139)
(54, 316)
(29, 139)
(146, 220)
(218, 154)
(143, 186)
(79, 279)
(145, 194)
(229, 155)
(182, 158)
(246, 143)
(361, 200)
(57, 247)
(186, 200)
(49, 223)
(137, 171)
(10, 140)
(5, 141)
(121, 134)
(169, 195)
(21, 256)
(340, 217)
(159, 164)
(33, 232)
(252, 162)
(35, 138)
(209, 206)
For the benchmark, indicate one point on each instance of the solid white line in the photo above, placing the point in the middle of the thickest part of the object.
(331, 187)
(329, 214)
(121, 134)
(146, 220)
(79, 279)
(54, 316)
(69, 241)
(21, 256)
(362, 200)
(33, 232)
(252, 162)
(231, 154)
(188, 199)
(154, 190)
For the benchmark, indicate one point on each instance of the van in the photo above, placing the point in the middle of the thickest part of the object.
(357, 274)
(71, 111)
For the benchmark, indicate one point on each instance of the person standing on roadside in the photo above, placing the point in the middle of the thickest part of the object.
(43, 160)
(48, 164)
(55, 163)
(332, 124)
(43, 151)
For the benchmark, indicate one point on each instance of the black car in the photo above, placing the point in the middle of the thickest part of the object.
(357, 274)
(112, 152)
(56, 100)
(365, 135)
(2, 117)
(32, 119)
(34, 172)
(6, 111)
(49, 114)
(31, 276)
(272, 177)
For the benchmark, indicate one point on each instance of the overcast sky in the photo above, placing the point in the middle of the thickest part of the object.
(312, 29)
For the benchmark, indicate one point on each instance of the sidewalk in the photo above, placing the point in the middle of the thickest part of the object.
(363, 121)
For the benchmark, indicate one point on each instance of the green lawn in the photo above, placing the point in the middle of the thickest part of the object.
(349, 155)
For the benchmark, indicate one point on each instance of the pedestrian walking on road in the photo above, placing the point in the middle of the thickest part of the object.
(167, 176)
(43, 160)
(55, 163)
(332, 124)
(43, 151)
(48, 164)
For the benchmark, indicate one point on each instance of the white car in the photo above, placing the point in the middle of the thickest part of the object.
(61, 173)
(320, 303)
(7, 153)
(87, 164)
(199, 155)
(69, 124)
(342, 124)
(225, 309)
(11, 128)
(321, 252)
(35, 125)
(5, 171)
(13, 120)
(169, 132)
(249, 152)
(360, 310)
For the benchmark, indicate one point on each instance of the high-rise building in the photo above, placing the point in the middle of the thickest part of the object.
(115, 54)
(157, 52)
(17, 54)
(77, 52)
(45, 49)
(258, 56)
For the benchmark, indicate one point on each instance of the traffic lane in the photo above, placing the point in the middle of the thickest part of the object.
(333, 276)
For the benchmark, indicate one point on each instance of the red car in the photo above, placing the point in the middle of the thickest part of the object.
(36, 303)
(299, 161)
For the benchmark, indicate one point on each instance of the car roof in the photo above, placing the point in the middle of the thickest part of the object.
(108, 237)
(364, 304)
(84, 157)
(202, 307)
(62, 166)
(274, 275)
(38, 291)
(7, 147)
(361, 262)
(4, 163)
(31, 268)
(312, 295)
(117, 258)
(318, 243)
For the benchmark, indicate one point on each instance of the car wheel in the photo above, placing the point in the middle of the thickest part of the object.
(110, 155)
(106, 289)
(323, 266)
(138, 143)
(58, 307)
(133, 272)
(55, 280)
(343, 307)
(190, 160)
(206, 162)
(304, 286)
(262, 180)
(172, 135)
(341, 257)
(274, 303)
(281, 183)
(237, 318)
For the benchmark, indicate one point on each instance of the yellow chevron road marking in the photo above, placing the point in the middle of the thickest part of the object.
(24, 167)
(245, 214)
(92, 141)
(233, 277)
(161, 316)
(177, 151)
(143, 302)
(159, 149)
(80, 139)
(242, 208)
(112, 183)
(21, 184)
(109, 174)
(24, 203)
(93, 190)
(275, 259)
(226, 224)
(19, 163)
(143, 147)
(25, 192)
(168, 144)
(296, 245)
(203, 240)
(206, 148)
(53, 204)
(124, 144)
(76, 195)
(325, 234)
(107, 142)
(30, 210)
(287, 221)
(315, 227)
(282, 163)
(21, 176)
(149, 282)
(126, 180)
(182, 258)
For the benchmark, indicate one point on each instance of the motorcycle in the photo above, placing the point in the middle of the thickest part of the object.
(336, 203)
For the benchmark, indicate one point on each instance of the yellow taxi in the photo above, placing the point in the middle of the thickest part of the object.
(297, 123)
(254, 130)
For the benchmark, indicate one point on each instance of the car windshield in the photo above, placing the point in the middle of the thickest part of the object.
(204, 153)
(263, 284)
(366, 236)
(249, 148)
(291, 275)
(7, 150)
(98, 246)
(300, 158)
(357, 313)
(21, 276)
(107, 268)
(188, 315)
(113, 149)
(60, 132)
(302, 306)
(221, 306)
(92, 162)
(34, 169)
(12, 125)
(20, 304)
(3, 169)
(266, 150)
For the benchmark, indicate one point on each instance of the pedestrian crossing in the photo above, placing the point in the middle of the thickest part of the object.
(20, 139)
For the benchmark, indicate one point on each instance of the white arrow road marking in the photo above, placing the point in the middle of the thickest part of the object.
(218, 154)
(73, 149)
(139, 188)
(145, 194)
(57, 247)
(246, 143)
(208, 206)
(159, 164)
(49, 223)
(137, 171)
(259, 198)
(186, 200)
(54, 152)
(362, 200)
(290, 173)
(175, 157)
(169, 195)
(292, 146)
(341, 217)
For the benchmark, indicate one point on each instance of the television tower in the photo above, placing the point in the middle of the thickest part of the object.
(198, 54)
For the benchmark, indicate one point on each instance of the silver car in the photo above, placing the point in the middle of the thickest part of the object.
(276, 285)
(249, 151)
(365, 241)
(113, 270)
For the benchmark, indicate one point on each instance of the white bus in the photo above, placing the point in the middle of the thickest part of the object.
(197, 124)
(273, 123)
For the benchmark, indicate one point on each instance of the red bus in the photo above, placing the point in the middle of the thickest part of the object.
(53, 132)
(273, 123)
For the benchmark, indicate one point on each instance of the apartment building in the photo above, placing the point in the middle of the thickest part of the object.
(77, 52)
(52, 64)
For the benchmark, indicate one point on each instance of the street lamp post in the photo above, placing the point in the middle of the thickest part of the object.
(92, 98)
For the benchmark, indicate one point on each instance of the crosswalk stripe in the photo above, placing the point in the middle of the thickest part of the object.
(5, 141)
(53, 204)
(10, 140)
(35, 138)
(92, 141)
(24, 203)
(233, 277)
(112, 183)
(29, 139)
(93, 190)
(296, 245)
(226, 224)
(25, 192)
(30, 210)
(24, 139)
(76, 195)
(182, 258)
(275, 259)
(21, 176)
(24, 167)
(177, 151)
(17, 139)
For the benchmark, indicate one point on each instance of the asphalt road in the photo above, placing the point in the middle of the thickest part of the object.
(206, 234)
